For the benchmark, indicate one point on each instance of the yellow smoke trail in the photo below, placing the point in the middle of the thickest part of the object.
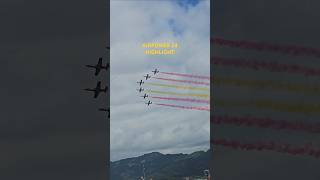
(267, 84)
(180, 94)
(276, 106)
(179, 87)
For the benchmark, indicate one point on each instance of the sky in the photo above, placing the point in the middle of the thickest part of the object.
(160, 129)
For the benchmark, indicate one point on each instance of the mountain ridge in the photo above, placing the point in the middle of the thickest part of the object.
(160, 166)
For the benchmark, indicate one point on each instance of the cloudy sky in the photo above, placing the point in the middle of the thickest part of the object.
(51, 129)
(137, 129)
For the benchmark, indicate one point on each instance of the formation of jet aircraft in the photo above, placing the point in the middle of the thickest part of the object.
(98, 89)
(99, 66)
(147, 76)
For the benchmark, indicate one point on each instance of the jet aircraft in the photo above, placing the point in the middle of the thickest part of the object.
(147, 76)
(155, 71)
(140, 82)
(144, 96)
(149, 102)
(140, 90)
(97, 90)
(99, 66)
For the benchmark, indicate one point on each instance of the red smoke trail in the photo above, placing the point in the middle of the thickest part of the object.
(186, 75)
(183, 81)
(267, 123)
(183, 99)
(292, 50)
(307, 149)
(271, 66)
(185, 107)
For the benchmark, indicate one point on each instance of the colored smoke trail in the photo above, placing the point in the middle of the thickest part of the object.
(185, 107)
(307, 150)
(266, 123)
(275, 106)
(182, 99)
(183, 81)
(258, 46)
(179, 87)
(179, 94)
(267, 84)
(270, 66)
(186, 75)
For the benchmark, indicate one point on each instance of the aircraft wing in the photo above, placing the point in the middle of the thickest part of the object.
(90, 66)
(87, 89)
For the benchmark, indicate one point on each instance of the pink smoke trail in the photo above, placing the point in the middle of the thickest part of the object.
(306, 150)
(271, 66)
(182, 99)
(258, 46)
(183, 81)
(186, 75)
(185, 107)
(266, 123)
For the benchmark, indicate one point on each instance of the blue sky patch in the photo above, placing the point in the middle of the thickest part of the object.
(187, 3)
(175, 28)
